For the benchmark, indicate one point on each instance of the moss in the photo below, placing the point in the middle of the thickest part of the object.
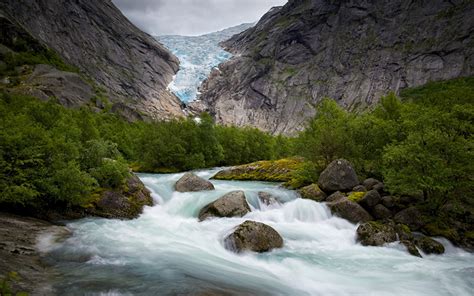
(438, 229)
(356, 196)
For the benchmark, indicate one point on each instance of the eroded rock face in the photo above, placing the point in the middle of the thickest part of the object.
(233, 204)
(351, 51)
(349, 210)
(338, 176)
(132, 66)
(189, 182)
(253, 236)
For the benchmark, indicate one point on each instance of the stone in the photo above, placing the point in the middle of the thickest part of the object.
(335, 196)
(253, 236)
(372, 183)
(429, 245)
(411, 248)
(312, 192)
(404, 233)
(359, 188)
(411, 217)
(232, 204)
(338, 176)
(370, 199)
(380, 212)
(388, 201)
(349, 210)
(189, 182)
(267, 198)
(375, 233)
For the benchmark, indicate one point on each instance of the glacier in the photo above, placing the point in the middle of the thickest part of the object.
(198, 55)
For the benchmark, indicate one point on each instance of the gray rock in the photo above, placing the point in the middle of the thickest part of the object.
(94, 36)
(370, 199)
(233, 204)
(338, 176)
(335, 196)
(375, 233)
(429, 245)
(359, 188)
(411, 217)
(411, 248)
(372, 183)
(312, 192)
(380, 212)
(349, 210)
(189, 182)
(300, 53)
(267, 198)
(388, 201)
(253, 236)
(404, 233)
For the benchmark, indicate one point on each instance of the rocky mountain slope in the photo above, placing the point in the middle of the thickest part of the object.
(132, 67)
(351, 51)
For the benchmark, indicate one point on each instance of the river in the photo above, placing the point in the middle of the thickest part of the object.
(166, 251)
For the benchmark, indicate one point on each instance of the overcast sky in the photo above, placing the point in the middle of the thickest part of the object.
(192, 17)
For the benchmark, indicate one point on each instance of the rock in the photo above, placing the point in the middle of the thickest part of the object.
(411, 217)
(298, 54)
(370, 199)
(338, 176)
(359, 188)
(350, 210)
(335, 196)
(372, 183)
(429, 245)
(380, 212)
(375, 234)
(253, 236)
(312, 192)
(126, 202)
(404, 232)
(233, 204)
(189, 182)
(411, 248)
(131, 66)
(388, 201)
(267, 198)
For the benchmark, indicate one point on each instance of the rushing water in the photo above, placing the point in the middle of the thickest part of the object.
(166, 251)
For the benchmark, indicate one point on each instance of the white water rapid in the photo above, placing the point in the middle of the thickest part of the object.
(166, 251)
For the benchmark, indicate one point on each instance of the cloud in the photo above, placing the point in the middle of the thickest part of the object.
(192, 17)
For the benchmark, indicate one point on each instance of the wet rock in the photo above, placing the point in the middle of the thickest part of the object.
(350, 210)
(267, 198)
(411, 217)
(404, 233)
(370, 199)
(253, 236)
(380, 212)
(429, 245)
(338, 176)
(335, 196)
(189, 182)
(411, 248)
(312, 192)
(233, 204)
(376, 234)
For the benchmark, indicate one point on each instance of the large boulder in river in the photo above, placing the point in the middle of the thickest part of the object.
(376, 234)
(338, 176)
(189, 182)
(233, 204)
(429, 245)
(349, 210)
(312, 192)
(253, 236)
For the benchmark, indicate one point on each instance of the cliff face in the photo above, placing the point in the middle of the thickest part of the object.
(133, 67)
(351, 51)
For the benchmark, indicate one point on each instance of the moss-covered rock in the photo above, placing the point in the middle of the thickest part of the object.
(253, 236)
(376, 234)
(312, 192)
(370, 200)
(356, 196)
(429, 245)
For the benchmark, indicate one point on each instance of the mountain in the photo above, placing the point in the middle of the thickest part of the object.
(198, 55)
(351, 51)
(132, 67)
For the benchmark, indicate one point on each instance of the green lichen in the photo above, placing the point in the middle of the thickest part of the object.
(356, 196)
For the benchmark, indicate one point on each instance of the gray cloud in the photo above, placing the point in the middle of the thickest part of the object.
(192, 17)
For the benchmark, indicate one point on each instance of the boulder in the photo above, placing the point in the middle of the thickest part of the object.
(388, 201)
(335, 196)
(359, 188)
(312, 192)
(411, 217)
(411, 247)
(253, 236)
(189, 182)
(338, 176)
(404, 232)
(232, 204)
(267, 198)
(376, 234)
(350, 210)
(370, 199)
(372, 183)
(380, 212)
(429, 245)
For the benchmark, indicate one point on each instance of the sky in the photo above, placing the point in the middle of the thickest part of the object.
(192, 17)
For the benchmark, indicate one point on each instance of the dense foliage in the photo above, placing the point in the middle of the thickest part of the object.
(420, 144)
(50, 155)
